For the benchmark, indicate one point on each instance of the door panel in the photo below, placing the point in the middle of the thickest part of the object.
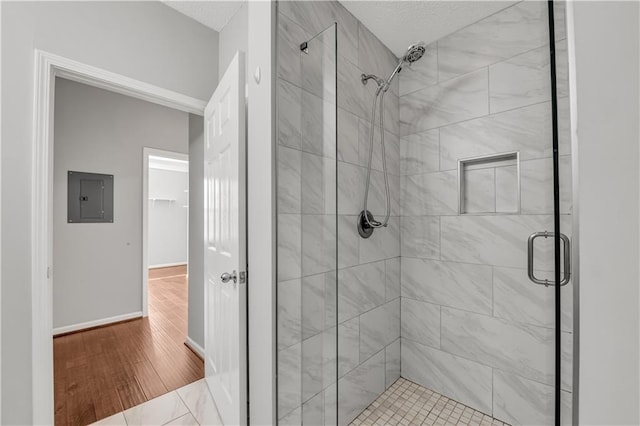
(225, 245)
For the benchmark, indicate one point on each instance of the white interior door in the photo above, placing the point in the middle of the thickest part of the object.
(225, 245)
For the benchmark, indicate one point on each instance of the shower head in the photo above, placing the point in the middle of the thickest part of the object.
(414, 52)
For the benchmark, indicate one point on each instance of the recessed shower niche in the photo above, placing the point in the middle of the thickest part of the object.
(489, 184)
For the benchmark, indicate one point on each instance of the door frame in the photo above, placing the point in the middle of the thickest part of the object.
(146, 153)
(48, 66)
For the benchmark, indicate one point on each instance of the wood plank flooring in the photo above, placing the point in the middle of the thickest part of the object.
(103, 371)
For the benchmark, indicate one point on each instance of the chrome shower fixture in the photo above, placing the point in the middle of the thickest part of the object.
(366, 221)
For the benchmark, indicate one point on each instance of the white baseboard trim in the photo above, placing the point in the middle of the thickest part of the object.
(95, 323)
(191, 344)
(167, 265)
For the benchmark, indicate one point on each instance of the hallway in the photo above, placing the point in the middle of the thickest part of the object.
(102, 371)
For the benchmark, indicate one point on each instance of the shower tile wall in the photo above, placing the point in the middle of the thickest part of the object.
(473, 327)
(368, 271)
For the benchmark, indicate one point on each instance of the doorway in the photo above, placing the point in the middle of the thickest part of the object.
(108, 355)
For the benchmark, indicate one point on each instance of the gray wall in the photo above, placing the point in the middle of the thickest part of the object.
(196, 229)
(143, 40)
(97, 267)
(368, 284)
(607, 50)
(474, 327)
(234, 36)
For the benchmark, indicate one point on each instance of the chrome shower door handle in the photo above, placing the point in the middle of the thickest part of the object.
(226, 277)
(567, 258)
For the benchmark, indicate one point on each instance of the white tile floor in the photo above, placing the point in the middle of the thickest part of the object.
(190, 405)
(404, 403)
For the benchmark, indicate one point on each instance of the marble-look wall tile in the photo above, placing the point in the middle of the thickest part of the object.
(313, 411)
(350, 89)
(562, 68)
(313, 304)
(331, 404)
(319, 66)
(460, 379)
(348, 345)
(422, 73)
(514, 30)
(537, 186)
(289, 313)
(383, 244)
(289, 379)
(312, 361)
(420, 153)
(392, 148)
(421, 322)
(456, 100)
(348, 241)
(318, 244)
(495, 240)
(527, 130)
(430, 194)
(294, 418)
(290, 35)
(373, 56)
(520, 401)
(479, 191)
(317, 16)
(458, 285)
(360, 289)
(289, 178)
(393, 278)
(421, 237)
(289, 116)
(379, 327)
(392, 362)
(391, 103)
(351, 184)
(318, 184)
(392, 111)
(348, 137)
(507, 190)
(360, 387)
(319, 124)
(289, 246)
(519, 81)
(377, 202)
(329, 357)
(517, 299)
(515, 348)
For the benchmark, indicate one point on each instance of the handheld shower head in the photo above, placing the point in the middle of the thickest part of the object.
(414, 52)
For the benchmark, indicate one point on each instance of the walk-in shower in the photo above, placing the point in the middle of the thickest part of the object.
(433, 319)
(366, 221)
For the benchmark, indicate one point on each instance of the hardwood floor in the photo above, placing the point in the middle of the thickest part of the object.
(105, 370)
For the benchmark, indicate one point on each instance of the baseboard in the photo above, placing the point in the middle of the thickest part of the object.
(196, 348)
(167, 265)
(97, 323)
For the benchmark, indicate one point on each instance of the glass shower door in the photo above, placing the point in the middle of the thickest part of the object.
(307, 230)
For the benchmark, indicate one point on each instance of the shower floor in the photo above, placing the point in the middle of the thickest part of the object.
(407, 403)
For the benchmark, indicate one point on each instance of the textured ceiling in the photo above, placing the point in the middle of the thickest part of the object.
(213, 14)
(398, 23)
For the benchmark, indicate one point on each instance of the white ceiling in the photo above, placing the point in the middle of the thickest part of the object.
(399, 23)
(396, 23)
(211, 13)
